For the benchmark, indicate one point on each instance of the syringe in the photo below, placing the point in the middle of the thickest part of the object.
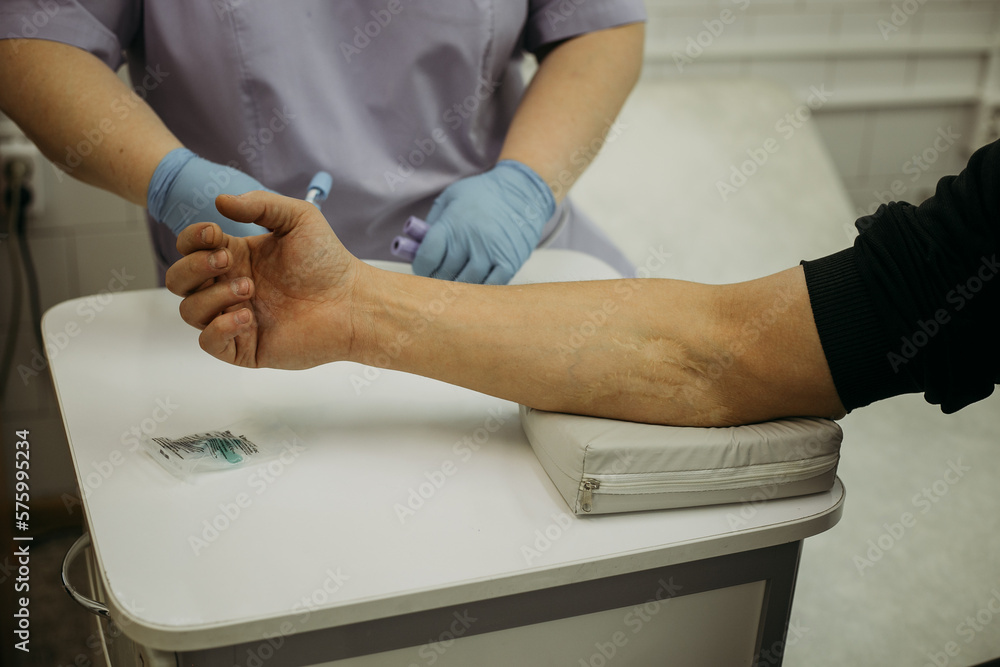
(319, 188)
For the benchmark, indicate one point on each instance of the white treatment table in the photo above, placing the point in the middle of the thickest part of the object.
(313, 561)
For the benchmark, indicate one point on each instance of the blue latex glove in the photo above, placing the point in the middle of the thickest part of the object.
(483, 228)
(183, 191)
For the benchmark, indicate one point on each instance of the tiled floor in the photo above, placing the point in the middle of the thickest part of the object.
(917, 552)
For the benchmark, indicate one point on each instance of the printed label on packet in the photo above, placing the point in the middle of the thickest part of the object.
(247, 442)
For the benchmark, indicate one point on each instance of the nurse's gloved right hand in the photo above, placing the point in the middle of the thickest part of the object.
(183, 191)
(484, 227)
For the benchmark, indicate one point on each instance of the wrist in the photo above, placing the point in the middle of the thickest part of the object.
(399, 317)
(183, 188)
(163, 179)
(543, 166)
(358, 311)
(540, 201)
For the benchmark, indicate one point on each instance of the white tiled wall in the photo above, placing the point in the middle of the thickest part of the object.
(892, 90)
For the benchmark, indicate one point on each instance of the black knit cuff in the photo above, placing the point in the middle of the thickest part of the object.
(850, 331)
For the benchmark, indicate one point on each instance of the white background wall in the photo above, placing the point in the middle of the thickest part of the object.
(898, 73)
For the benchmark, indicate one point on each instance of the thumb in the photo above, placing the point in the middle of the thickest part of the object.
(432, 250)
(268, 209)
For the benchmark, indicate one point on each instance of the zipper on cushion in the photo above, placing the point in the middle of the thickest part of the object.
(702, 480)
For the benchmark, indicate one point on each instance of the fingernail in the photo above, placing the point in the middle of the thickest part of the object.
(240, 286)
(219, 259)
(207, 235)
(243, 316)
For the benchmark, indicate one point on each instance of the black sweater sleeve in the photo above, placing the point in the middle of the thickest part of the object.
(914, 306)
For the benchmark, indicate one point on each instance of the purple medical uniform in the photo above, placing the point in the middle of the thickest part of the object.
(395, 98)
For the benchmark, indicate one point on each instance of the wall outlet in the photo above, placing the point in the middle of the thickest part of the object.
(20, 147)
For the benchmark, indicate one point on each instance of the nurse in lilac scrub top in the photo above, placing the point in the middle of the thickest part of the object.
(416, 107)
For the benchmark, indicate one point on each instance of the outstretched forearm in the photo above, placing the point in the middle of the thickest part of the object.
(82, 116)
(659, 351)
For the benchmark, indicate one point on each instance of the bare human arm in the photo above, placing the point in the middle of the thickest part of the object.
(61, 96)
(657, 351)
(569, 108)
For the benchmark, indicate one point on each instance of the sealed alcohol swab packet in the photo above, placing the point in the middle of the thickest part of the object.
(247, 442)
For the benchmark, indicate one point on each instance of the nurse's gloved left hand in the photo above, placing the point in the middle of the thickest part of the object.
(183, 191)
(483, 228)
